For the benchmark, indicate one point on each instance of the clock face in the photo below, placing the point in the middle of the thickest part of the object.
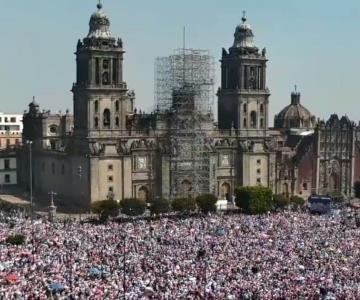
(141, 162)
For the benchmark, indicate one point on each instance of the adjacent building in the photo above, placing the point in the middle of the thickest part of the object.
(11, 128)
(8, 168)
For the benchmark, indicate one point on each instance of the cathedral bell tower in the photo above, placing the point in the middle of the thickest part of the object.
(101, 98)
(243, 96)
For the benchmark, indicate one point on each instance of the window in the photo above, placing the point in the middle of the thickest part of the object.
(17, 142)
(7, 142)
(12, 120)
(110, 167)
(245, 108)
(96, 106)
(115, 70)
(258, 180)
(261, 123)
(53, 145)
(253, 119)
(117, 106)
(244, 123)
(96, 123)
(0, 119)
(106, 117)
(53, 128)
(6, 120)
(261, 108)
(97, 71)
(7, 164)
(258, 171)
(110, 179)
(105, 78)
(143, 193)
(117, 122)
(111, 189)
(7, 178)
(258, 161)
(105, 64)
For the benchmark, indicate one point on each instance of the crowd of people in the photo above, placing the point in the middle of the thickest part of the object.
(287, 255)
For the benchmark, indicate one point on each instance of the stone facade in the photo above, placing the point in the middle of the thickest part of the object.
(109, 148)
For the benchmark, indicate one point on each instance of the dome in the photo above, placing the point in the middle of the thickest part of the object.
(295, 115)
(99, 24)
(244, 37)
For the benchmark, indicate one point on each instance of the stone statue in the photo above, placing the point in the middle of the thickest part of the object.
(120, 42)
(263, 52)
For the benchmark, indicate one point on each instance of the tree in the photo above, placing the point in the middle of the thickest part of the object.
(183, 204)
(16, 239)
(357, 189)
(159, 206)
(105, 209)
(206, 202)
(337, 196)
(280, 201)
(254, 199)
(133, 206)
(297, 201)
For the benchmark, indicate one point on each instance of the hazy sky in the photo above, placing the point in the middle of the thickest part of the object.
(312, 43)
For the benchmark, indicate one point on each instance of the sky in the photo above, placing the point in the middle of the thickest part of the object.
(314, 44)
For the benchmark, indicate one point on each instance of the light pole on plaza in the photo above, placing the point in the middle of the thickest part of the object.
(29, 143)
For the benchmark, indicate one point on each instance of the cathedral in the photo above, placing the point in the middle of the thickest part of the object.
(109, 149)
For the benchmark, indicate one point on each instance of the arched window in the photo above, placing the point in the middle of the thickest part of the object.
(106, 118)
(117, 122)
(105, 64)
(117, 106)
(143, 193)
(253, 119)
(261, 108)
(244, 123)
(261, 123)
(96, 106)
(96, 122)
(245, 108)
(105, 78)
(52, 144)
(225, 191)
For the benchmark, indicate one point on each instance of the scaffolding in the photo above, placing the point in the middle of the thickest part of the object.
(184, 89)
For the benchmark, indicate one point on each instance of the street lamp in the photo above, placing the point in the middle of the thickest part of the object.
(29, 143)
